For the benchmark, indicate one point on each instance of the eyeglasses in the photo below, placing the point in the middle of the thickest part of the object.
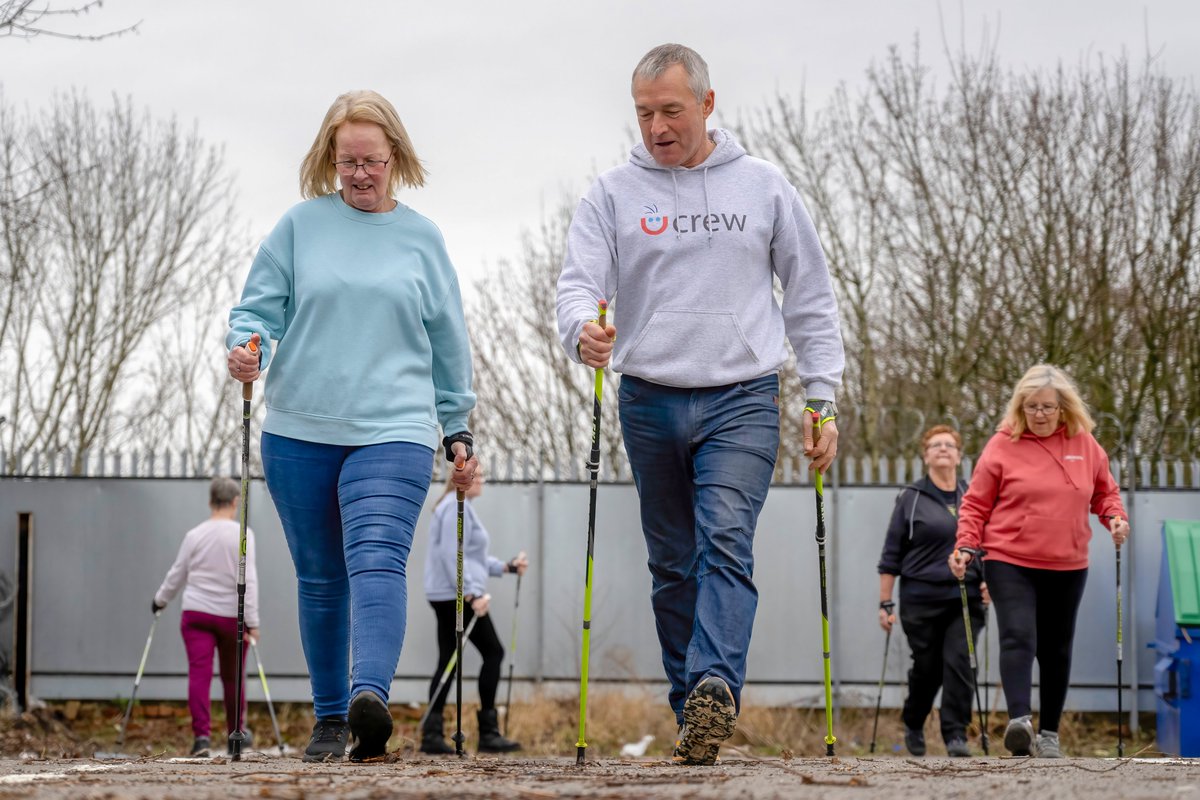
(371, 166)
(941, 446)
(1046, 408)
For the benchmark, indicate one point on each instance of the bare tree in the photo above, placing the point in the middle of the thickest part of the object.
(27, 19)
(534, 403)
(1002, 220)
(112, 222)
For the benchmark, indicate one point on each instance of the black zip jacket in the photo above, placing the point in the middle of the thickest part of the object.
(920, 538)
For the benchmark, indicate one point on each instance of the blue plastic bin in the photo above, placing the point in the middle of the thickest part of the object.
(1177, 639)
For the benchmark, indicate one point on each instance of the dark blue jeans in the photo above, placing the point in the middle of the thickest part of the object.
(348, 514)
(702, 460)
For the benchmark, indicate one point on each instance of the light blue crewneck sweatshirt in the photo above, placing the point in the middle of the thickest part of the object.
(688, 257)
(370, 342)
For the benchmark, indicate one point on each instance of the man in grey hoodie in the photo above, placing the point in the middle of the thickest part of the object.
(685, 241)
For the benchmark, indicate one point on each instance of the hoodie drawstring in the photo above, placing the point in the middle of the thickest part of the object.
(675, 183)
(707, 215)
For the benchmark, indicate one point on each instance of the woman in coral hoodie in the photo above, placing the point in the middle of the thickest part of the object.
(1027, 508)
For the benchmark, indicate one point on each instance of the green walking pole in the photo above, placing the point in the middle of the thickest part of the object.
(593, 466)
(262, 677)
(137, 682)
(446, 673)
(962, 590)
(830, 739)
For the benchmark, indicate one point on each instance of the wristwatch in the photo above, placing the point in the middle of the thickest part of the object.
(825, 409)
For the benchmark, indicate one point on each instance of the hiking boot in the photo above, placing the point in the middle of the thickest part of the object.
(370, 726)
(957, 748)
(1047, 745)
(433, 737)
(709, 718)
(914, 740)
(490, 740)
(1018, 736)
(328, 742)
(201, 747)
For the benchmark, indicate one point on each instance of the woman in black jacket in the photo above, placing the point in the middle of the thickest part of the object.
(919, 539)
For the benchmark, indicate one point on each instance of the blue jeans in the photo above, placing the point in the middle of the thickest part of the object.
(702, 460)
(348, 514)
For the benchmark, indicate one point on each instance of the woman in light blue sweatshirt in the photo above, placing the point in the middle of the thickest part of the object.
(353, 303)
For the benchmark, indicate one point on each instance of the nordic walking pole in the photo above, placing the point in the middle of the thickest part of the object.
(446, 673)
(262, 677)
(1120, 660)
(830, 739)
(593, 466)
(238, 737)
(887, 642)
(460, 496)
(137, 681)
(512, 656)
(987, 661)
(962, 590)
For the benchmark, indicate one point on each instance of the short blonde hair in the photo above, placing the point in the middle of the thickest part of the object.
(317, 173)
(1070, 405)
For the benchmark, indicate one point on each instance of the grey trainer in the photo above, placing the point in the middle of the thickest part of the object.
(1047, 745)
(1018, 736)
(957, 748)
(709, 718)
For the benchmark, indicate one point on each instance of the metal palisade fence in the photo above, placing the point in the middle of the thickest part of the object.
(1158, 454)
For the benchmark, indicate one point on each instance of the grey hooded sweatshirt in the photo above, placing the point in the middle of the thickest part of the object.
(687, 258)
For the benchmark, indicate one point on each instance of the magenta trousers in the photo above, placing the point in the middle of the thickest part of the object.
(202, 634)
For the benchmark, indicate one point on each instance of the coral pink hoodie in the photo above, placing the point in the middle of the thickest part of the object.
(1028, 501)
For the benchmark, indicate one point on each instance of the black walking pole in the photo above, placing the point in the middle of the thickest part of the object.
(238, 737)
(593, 466)
(887, 643)
(962, 590)
(512, 656)
(1120, 659)
(460, 496)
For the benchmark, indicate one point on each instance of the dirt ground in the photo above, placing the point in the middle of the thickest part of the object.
(523, 779)
(65, 750)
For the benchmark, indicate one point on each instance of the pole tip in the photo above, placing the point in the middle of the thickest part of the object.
(579, 755)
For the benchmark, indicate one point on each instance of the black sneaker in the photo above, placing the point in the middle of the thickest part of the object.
(914, 740)
(709, 718)
(328, 742)
(201, 747)
(370, 726)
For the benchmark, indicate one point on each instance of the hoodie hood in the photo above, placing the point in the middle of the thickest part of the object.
(727, 149)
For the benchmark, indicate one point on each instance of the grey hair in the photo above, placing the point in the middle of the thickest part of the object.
(223, 491)
(665, 56)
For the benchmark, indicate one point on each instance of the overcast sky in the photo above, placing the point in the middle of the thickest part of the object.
(513, 104)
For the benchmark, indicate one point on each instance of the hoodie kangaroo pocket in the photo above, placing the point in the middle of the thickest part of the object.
(1049, 539)
(684, 343)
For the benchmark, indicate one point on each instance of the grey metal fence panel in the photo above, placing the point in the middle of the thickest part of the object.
(103, 546)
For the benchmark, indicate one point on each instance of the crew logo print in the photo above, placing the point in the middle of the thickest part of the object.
(652, 217)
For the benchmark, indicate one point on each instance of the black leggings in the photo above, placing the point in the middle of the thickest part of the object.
(1035, 615)
(940, 660)
(483, 636)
